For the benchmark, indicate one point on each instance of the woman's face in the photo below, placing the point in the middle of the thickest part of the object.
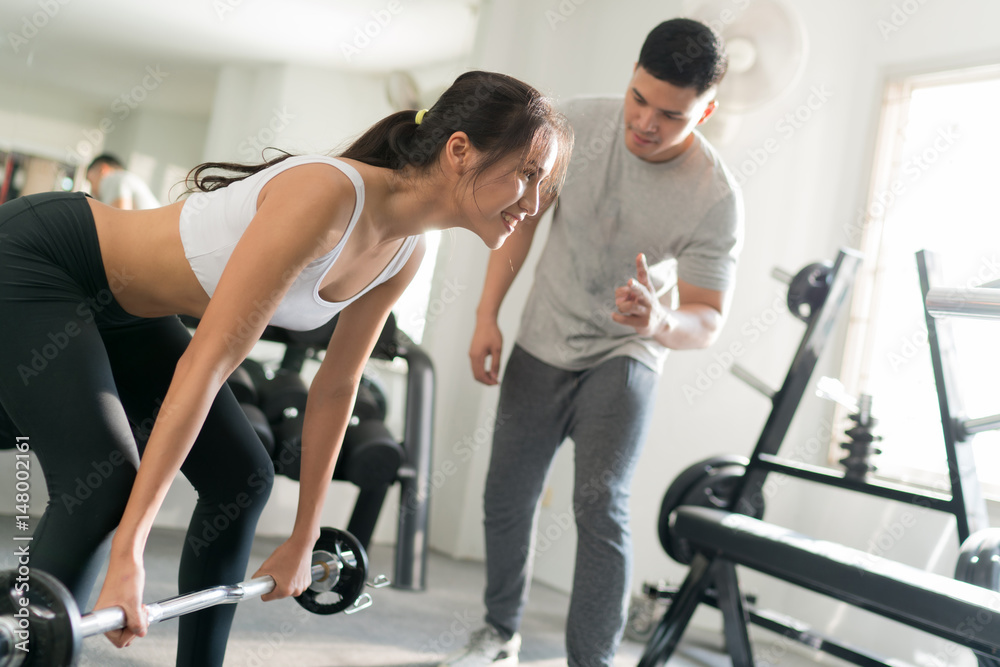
(505, 194)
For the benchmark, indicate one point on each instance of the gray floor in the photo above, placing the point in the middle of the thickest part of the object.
(402, 628)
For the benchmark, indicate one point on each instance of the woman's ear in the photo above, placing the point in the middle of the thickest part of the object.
(458, 153)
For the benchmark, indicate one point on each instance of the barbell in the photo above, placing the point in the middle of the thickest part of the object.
(40, 623)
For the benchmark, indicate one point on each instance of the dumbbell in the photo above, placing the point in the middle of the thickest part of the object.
(371, 456)
(288, 446)
(286, 391)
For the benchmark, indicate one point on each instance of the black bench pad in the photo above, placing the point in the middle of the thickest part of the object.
(963, 613)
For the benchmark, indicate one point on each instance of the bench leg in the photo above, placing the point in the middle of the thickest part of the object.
(735, 618)
(668, 633)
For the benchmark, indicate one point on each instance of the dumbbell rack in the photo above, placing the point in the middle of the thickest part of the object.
(965, 502)
(414, 473)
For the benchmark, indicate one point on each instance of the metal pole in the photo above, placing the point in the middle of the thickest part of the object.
(415, 482)
(982, 302)
(972, 426)
(752, 380)
(113, 618)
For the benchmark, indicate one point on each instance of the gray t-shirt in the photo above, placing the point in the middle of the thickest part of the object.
(122, 184)
(685, 214)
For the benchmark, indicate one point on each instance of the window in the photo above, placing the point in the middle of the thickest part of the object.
(935, 181)
(414, 306)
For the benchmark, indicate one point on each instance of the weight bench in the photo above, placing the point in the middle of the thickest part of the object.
(959, 612)
(964, 610)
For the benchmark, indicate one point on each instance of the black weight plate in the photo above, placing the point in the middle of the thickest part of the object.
(708, 483)
(979, 559)
(353, 576)
(808, 289)
(53, 618)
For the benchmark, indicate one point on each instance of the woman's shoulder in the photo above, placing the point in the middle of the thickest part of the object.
(318, 184)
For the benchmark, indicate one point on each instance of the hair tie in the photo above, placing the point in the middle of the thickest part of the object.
(420, 116)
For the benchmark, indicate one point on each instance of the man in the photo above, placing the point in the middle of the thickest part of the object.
(645, 195)
(113, 185)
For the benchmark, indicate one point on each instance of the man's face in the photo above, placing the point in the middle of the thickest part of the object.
(94, 176)
(660, 116)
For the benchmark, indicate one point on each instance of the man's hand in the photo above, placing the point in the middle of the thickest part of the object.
(638, 306)
(487, 343)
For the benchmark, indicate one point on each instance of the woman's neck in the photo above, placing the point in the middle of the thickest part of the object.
(408, 203)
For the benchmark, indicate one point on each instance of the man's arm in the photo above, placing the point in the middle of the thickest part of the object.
(504, 264)
(694, 324)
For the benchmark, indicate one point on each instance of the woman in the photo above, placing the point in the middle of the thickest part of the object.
(90, 344)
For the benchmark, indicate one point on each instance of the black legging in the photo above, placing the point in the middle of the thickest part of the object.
(83, 380)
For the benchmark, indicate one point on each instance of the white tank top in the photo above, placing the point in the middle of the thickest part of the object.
(212, 223)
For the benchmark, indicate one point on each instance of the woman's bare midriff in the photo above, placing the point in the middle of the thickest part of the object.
(145, 263)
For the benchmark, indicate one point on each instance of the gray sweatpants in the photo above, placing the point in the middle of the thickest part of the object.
(606, 411)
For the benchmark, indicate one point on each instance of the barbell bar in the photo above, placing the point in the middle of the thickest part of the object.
(981, 302)
(340, 566)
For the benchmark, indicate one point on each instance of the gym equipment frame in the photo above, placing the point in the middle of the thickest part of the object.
(720, 539)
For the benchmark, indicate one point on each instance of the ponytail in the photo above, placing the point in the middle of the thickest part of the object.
(500, 114)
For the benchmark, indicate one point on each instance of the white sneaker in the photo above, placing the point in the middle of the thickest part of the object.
(486, 649)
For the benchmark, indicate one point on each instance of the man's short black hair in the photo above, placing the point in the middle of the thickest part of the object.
(108, 159)
(685, 53)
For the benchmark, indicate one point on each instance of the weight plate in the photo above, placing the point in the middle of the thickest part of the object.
(353, 564)
(979, 559)
(708, 483)
(808, 289)
(53, 620)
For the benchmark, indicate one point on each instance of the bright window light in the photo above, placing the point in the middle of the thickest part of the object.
(935, 188)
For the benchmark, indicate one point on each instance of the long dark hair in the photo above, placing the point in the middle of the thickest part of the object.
(500, 114)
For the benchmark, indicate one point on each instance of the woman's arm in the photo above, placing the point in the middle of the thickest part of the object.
(297, 221)
(328, 412)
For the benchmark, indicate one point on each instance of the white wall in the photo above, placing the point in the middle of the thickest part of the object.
(799, 204)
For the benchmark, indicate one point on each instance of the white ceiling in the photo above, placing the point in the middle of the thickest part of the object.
(97, 48)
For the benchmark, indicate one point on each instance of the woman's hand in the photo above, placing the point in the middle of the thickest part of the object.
(123, 588)
(291, 568)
